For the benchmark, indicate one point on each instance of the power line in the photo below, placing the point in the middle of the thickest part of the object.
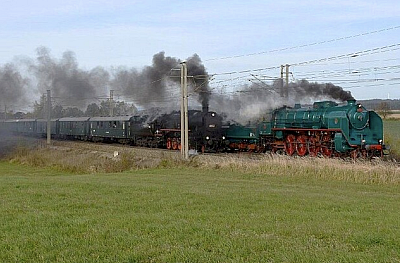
(306, 45)
(355, 71)
(354, 54)
(387, 48)
(245, 71)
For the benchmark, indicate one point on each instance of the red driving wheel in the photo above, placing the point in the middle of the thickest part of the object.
(301, 146)
(169, 145)
(326, 148)
(290, 144)
(313, 146)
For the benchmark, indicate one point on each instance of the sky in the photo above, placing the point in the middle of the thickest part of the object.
(352, 44)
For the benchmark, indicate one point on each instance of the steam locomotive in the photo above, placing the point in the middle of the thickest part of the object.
(163, 131)
(326, 129)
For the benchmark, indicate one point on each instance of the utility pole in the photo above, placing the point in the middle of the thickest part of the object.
(281, 82)
(111, 103)
(5, 112)
(287, 83)
(184, 113)
(48, 117)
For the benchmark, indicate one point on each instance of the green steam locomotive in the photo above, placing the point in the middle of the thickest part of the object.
(326, 129)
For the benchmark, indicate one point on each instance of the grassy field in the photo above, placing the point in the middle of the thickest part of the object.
(278, 212)
(392, 135)
(75, 202)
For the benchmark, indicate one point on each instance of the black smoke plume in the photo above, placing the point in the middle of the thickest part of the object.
(158, 84)
(305, 90)
(153, 86)
(13, 86)
(147, 87)
(200, 79)
(75, 87)
(255, 101)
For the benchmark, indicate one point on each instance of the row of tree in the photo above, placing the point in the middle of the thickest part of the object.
(119, 108)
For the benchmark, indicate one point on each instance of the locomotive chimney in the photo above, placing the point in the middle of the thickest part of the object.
(205, 108)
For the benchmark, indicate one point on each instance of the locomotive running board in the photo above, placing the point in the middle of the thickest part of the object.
(171, 130)
(305, 129)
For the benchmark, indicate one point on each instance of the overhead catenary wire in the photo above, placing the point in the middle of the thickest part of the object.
(307, 45)
(248, 72)
(392, 47)
(390, 69)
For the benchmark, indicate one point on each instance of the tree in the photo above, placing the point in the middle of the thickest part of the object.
(92, 110)
(57, 112)
(121, 109)
(383, 109)
(105, 108)
(39, 108)
(73, 112)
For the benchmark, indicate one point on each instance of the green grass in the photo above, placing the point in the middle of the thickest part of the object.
(195, 215)
(392, 135)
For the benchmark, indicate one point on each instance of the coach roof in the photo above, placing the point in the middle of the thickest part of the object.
(118, 118)
(74, 119)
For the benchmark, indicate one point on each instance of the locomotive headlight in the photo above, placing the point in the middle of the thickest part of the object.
(363, 141)
(380, 141)
(213, 114)
(223, 137)
(207, 138)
